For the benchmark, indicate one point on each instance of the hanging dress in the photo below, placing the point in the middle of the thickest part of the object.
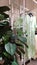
(30, 28)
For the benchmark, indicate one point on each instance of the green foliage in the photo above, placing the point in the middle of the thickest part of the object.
(11, 43)
(1, 17)
(4, 8)
(18, 22)
(10, 48)
(6, 28)
(21, 49)
(19, 31)
(4, 16)
(8, 56)
(14, 63)
(23, 40)
(7, 36)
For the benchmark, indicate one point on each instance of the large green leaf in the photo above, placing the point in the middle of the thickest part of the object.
(10, 48)
(21, 49)
(19, 44)
(6, 37)
(6, 27)
(3, 16)
(23, 40)
(18, 52)
(14, 63)
(4, 8)
(5, 23)
(5, 54)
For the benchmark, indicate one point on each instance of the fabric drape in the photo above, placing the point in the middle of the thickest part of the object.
(30, 23)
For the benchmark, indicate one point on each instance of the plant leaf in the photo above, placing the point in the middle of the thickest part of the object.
(18, 51)
(4, 8)
(4, 16)
(14, 63)
(18, 44)
(23, 40)
(1, 17)
(8, 56)
(21, 49)
(10, 48)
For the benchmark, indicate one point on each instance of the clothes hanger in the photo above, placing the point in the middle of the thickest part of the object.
(30, 14)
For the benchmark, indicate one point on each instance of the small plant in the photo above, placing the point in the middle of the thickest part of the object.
(10, 44)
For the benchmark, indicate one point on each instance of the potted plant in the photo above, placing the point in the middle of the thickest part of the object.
(10, 44)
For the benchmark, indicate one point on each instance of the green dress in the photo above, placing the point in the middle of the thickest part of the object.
(30, 28)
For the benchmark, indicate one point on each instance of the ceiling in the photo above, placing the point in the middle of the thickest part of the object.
(28, 3)
(31, 5)
(25, 3)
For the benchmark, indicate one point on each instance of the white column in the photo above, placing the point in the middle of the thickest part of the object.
(11, 17)
(24, 24)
